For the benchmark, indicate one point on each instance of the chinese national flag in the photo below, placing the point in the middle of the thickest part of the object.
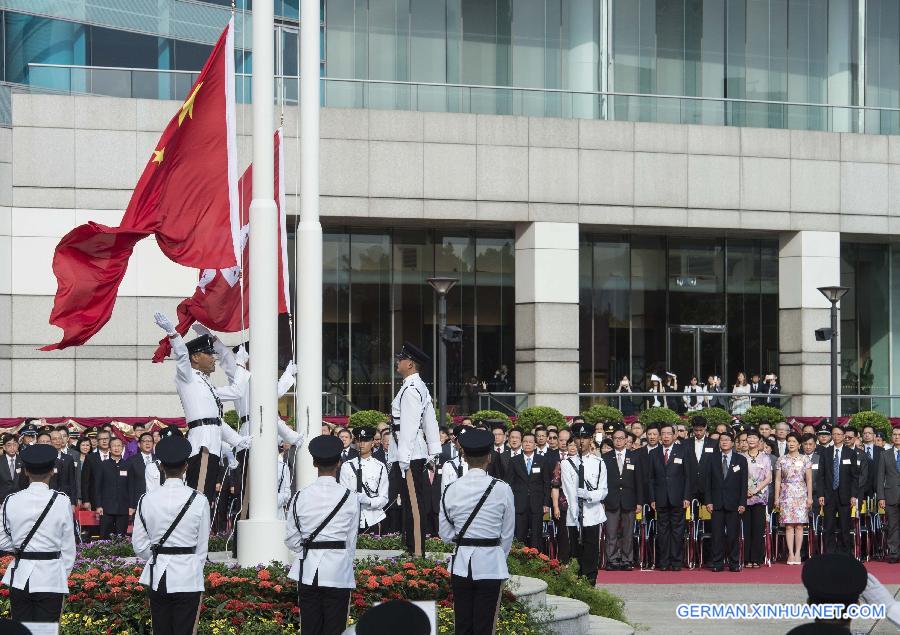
(216, 303)
(186, 197)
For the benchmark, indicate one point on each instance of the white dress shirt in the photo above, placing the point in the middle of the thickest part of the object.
(418, 436)
(700, 448)
(201, 400)
(374, 496)
(310, 507)
(495, 519)
(151, 477)
(19, 513)
(449, 473)
(595, 477)
(283, 484)
(156, 512)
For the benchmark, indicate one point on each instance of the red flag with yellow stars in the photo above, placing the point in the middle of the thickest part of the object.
(186, 197)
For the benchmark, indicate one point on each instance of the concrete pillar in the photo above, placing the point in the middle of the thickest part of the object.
(547, 314)
(807, 260)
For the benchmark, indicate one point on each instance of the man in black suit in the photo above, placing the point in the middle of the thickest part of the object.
(498, 430)
(63, 468)
(530, 482)
(542, 448)
(378, 452)
(756, 388)
(67, 471)
(136, 464)
(725, 496)
(838, 475)
(91, 468)
(111, 492)
(873, 457)
(700, 450)
(12, 476)
(670, 494)
(623, 500)
(513, 449)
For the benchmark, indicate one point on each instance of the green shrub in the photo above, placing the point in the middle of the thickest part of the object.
(757, 415)
(603, 414)
(367, 419)
(232, 419)
(487, 415)
(658, 416)
(871, 418)
(715, 416)
(528, 418)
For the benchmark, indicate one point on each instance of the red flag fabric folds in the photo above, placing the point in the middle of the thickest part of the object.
(186, 197)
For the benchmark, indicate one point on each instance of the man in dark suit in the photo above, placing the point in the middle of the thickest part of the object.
(838, 491)
(67, 472)
(725, 496)
(111, 492)
(12, 476)
(873, 458)
(542, 448)
(91, 467)
(530, 482)
(514, 449)
(756, 388)
(136, 464)
(670, 494)
(63, 468)
(498, 430)
(700, 449)
(378, 451)
(645, 454)
(623, 499)
(887, 486)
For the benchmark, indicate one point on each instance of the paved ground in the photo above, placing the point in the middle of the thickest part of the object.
(651, 608)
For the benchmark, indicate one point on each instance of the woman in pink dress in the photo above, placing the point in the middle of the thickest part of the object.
(793, 495)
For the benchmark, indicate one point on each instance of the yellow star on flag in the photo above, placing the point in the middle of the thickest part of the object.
(158, 155)
(187, 108)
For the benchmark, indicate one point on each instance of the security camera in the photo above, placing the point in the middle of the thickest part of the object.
(452, 334)
(824, 334)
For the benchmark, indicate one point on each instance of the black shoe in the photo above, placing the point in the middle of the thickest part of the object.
(610, 567)
(716, 569)
(663, 568)
(734, 568)
(627, 567)
(676, 568)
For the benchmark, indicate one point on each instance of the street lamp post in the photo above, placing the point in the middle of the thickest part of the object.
(442, 286)
(833, 295)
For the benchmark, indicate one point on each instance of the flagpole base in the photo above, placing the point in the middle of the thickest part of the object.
(261, 542)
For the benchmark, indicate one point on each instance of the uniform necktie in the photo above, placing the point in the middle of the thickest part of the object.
(528, 465)
(619, 460)
(837, 468)
(666, 456)
(724, 465)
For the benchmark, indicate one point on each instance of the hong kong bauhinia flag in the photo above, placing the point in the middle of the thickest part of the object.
(217, 302)
(186, 198)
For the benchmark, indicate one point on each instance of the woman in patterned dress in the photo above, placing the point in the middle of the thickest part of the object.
(793, 495)
(759, 479)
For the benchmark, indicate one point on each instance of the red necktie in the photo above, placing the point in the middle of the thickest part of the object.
(666, 456)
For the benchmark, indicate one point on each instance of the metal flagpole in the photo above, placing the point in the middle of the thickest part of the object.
(262, 535)
(308, 306)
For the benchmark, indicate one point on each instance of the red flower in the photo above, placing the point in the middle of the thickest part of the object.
(397, 577)
(278, 588)
(365, 572)
(263, 574)
(408, 565)
(387, 580)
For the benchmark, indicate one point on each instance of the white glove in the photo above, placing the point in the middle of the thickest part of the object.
(243, 444)
(299, 442)
(363, 499)
(241, 357)
(233, 462)
(404, 465)
(875, 593)
(199, 329)
(583, 494)
(291, 368)
(164, 323)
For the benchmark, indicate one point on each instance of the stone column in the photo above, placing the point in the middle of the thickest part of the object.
(807, 260)
(547, 314)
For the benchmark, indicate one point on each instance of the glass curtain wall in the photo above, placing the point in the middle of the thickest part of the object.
(376, 297)
(651, 304)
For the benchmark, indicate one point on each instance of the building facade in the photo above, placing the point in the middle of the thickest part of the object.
(621, 188)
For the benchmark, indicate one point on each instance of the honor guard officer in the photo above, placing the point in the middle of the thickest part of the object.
(584, 484)
(38, 531)
(478, 515)
(202, 404)
(414, 442)
(367, 476)
(457, 467)
(171, 533)
(323, 521)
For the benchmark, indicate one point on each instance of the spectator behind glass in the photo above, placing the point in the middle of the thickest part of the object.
(626, 404)
(739, 404)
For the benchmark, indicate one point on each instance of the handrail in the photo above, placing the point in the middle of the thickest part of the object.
(493, 398)
(682, 393)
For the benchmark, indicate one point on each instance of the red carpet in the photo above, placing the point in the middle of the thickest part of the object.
(776, 574)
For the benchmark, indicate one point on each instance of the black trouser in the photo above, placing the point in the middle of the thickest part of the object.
(754, 521)
(529, 529)
(669, 536)
(173, 613)
(620, 536)
(892, 528)
(835, 513)
(203, 473)
(563, 550)
(726, 527)
(587, 551)
(25, 606)
(412, 496)
(475, 604)
(323, 610)
(113, 524)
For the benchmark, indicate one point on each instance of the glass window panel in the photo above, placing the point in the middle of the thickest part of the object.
(120, 48)
(335, 314)
(455, 258)
(609, 343)
(648, 308)
(346, 49)
(744, 310)
(696, 281)
(190, 56)
(428, 52)
(388, 51)
(528, 32)
(412, 300)
(495, 308)
(882, 64)
(31, 39)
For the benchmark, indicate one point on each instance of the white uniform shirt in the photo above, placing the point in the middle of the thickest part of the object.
(495, 519)
(151, 477)
(310, 507)
(240, 376)
(283, 483)
(418, 436)
(374, 494)
(19, 512)
(199, 401)
(449, 473)
(595, 480)
(158, 510)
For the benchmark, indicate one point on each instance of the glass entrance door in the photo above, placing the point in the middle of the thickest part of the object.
(696, 349)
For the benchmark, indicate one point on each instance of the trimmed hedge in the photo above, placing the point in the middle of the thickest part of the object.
(757, 415)
(658, 416)
(871, 418)
(603, 414)
(487, 415)
(528, 418)
(367, 419)
(714, 417)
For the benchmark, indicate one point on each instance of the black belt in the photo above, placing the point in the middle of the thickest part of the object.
(39, 555)
(175, 551)
(203, 422)
(395, 427)
(245, 418)
(479, 542)
(326, 544)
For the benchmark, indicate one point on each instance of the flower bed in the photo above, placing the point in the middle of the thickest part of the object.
(394, 542)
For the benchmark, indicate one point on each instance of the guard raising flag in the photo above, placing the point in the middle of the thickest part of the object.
(478, 515)
(367, 476)
(414, 442)
(37, 530)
